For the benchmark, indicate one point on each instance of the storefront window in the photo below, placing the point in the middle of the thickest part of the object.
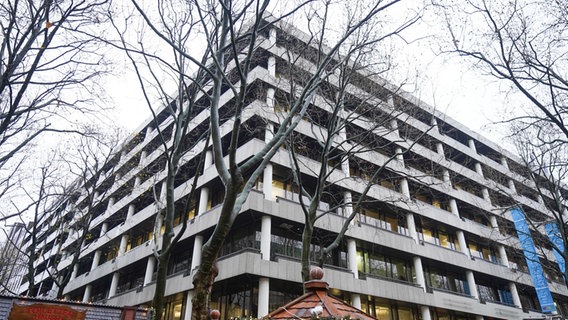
(173, 309)
(382, 312)
(405, 314)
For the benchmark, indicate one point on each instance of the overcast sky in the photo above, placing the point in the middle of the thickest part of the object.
(443, 81)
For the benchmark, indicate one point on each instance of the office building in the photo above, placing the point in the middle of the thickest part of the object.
(433, 240)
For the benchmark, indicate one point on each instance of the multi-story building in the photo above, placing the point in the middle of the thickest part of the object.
(12, 260)
(434, 242)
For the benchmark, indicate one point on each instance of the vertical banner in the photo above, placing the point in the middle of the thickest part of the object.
(535, 268)
(558, 245)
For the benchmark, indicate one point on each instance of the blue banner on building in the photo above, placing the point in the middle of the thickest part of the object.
(558, 245)
(533, 262)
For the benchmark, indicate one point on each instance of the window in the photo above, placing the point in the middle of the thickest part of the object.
(446, 280)
(438, 235)
(484, 252)
(284, 188)
(385, 266)
(384, 219)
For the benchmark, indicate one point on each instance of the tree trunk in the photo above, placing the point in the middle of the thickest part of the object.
(202, 284)
(307, 235)
(161, 273)
(207, 272)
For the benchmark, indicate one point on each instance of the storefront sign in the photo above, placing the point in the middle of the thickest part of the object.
(43, 311)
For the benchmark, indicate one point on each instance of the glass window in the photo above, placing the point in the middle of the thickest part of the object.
(486, 293)
(405, 314)
(428, 235)
(174, 309)
(382, 265)
(383, 312)
(392, 223)
(445, 240)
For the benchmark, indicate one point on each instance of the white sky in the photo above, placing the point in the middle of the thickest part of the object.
(444, 82)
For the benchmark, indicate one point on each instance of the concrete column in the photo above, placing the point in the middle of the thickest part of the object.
(265, 238)
(148, 133)
(149, 270)
(446, 177)
(87, 293)
(512, 186)
(272, 37)
(515, 294)
(348, 208)
(463, 244)
(123, 244)
(111, 202)
(131, 210)
(503, 255)
(270, 103)
(404, 189)
(478, 169)
(440, 149)
(471, 284)
(114, 284)
(96, 259)
(272, 66)
(137, 182)
(208, 162)
(493, 222)
(390, 100)
(104, 229)
(196, 255)
(485, 194)
(345, 159)
(425, 310)
(75, 271)
(267, 182)
(188, 305)
(394, 125)
(352, 257)
(504, 162)
(454, 207)
(268, 135)
(345, 166)
(163, 191)
(420, 280)
(158, 227)
(356, 300)
(399, 156)
(471, 144)
(411, 225)
(143, 155)
(203, 200)
(263, 295)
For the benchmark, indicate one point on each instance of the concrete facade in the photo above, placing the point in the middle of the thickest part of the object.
(435, 242)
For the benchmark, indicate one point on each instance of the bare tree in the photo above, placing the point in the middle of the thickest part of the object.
(88, 165)
(12, 262)
(523, 45)
(357, 131)
(344, 127)
(232, 33)
(49, 66)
